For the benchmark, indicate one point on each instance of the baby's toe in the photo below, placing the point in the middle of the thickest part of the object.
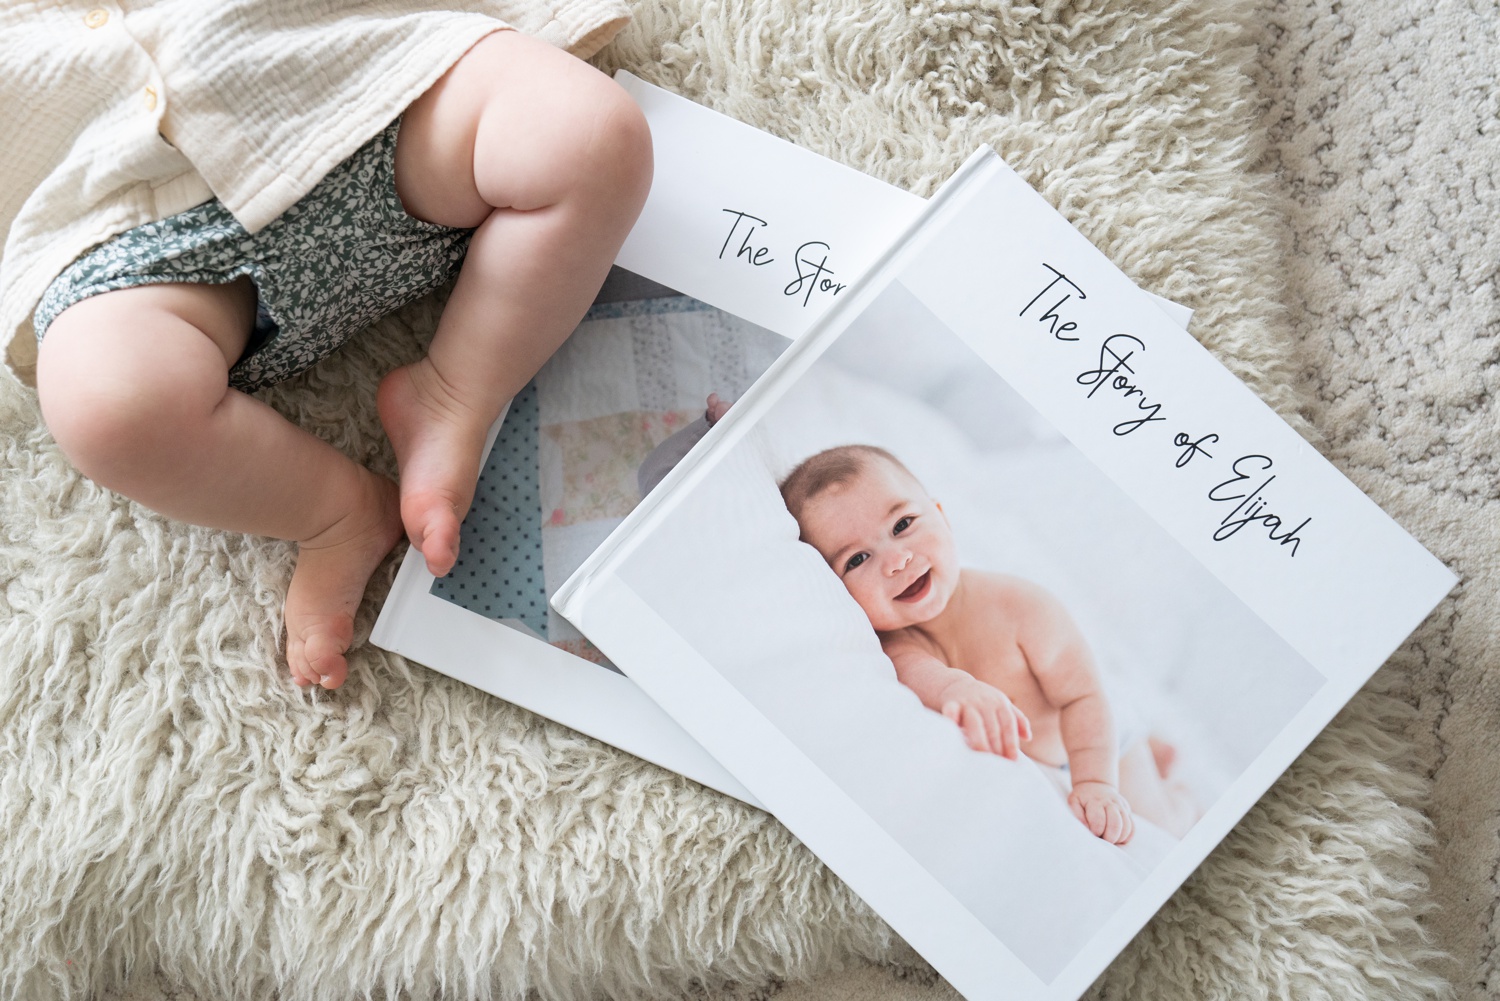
(325, 660)
(432, 526)
(440, 549)
(315, 652)
(296, 662)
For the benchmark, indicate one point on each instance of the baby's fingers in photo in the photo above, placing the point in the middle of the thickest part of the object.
(972, 725)
(1010, 732)
(1098, 821)
(1077, 809)
(1114, 823)
(997, 729)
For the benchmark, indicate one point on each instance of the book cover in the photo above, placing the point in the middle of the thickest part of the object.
(1002, 594)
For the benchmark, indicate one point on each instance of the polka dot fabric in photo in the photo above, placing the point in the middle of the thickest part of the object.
(499, 569)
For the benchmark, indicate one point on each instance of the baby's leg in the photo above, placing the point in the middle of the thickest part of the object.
(1168, 805)
(551, 161)
(134, 386)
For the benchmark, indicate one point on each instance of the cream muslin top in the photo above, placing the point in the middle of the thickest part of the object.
(119, 113)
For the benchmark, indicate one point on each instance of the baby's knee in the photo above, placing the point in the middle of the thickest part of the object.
(111, 410)
(619, 151)
(100, 424)
(599, 150)
(583, 140)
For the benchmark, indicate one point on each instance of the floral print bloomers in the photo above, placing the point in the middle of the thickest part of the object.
(343, 256)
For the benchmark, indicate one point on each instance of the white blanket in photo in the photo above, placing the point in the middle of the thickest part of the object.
(997, 833)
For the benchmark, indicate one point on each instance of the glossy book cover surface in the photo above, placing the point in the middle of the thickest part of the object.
(1002, 594)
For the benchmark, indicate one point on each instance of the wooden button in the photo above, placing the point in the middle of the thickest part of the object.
(96, 18)
(150, 98)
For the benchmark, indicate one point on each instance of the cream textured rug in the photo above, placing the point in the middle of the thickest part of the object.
(178, 821)
(1384, 129)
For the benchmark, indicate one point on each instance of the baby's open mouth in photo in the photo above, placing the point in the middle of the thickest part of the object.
(918, 589)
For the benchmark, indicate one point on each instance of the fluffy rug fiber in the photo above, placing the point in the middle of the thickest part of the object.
(178, 821)
(1384, 129)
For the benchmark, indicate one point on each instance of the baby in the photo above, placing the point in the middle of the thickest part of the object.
(995, 654)
(521, 169)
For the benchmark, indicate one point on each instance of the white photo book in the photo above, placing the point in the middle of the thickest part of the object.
(744, 241)
(1002, 594)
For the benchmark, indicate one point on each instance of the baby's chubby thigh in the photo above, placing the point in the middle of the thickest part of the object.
(517, 123)
(124, 377)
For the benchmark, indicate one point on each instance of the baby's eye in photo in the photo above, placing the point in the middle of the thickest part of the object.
(902, 524)
(855, 561)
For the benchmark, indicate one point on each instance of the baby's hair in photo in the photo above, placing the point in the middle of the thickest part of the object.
(828, 468)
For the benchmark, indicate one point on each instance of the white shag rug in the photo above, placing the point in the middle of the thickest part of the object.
(1384, 135)
(178, 821)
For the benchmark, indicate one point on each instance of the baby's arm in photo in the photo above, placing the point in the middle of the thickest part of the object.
(988, 719)
(1060, 660)
(665, 457)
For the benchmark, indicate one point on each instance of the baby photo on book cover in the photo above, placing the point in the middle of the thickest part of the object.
(955, 615)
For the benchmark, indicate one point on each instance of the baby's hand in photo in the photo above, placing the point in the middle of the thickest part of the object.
(1103, 811)
(989, 720)
(717, 408)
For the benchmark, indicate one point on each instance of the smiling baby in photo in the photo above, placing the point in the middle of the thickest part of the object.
(995, 654)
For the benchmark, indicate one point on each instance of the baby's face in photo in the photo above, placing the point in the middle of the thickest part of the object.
(888, 541)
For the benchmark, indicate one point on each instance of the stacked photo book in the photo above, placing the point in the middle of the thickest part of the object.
(917, 524)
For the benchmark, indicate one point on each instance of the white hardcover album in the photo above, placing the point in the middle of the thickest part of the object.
(1002, 593)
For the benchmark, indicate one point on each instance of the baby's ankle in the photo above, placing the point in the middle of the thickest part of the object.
(444, 395)
(367, 507)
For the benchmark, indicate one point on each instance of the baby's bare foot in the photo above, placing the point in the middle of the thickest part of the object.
(437, 439)
(333, 568)
(1163, 754)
